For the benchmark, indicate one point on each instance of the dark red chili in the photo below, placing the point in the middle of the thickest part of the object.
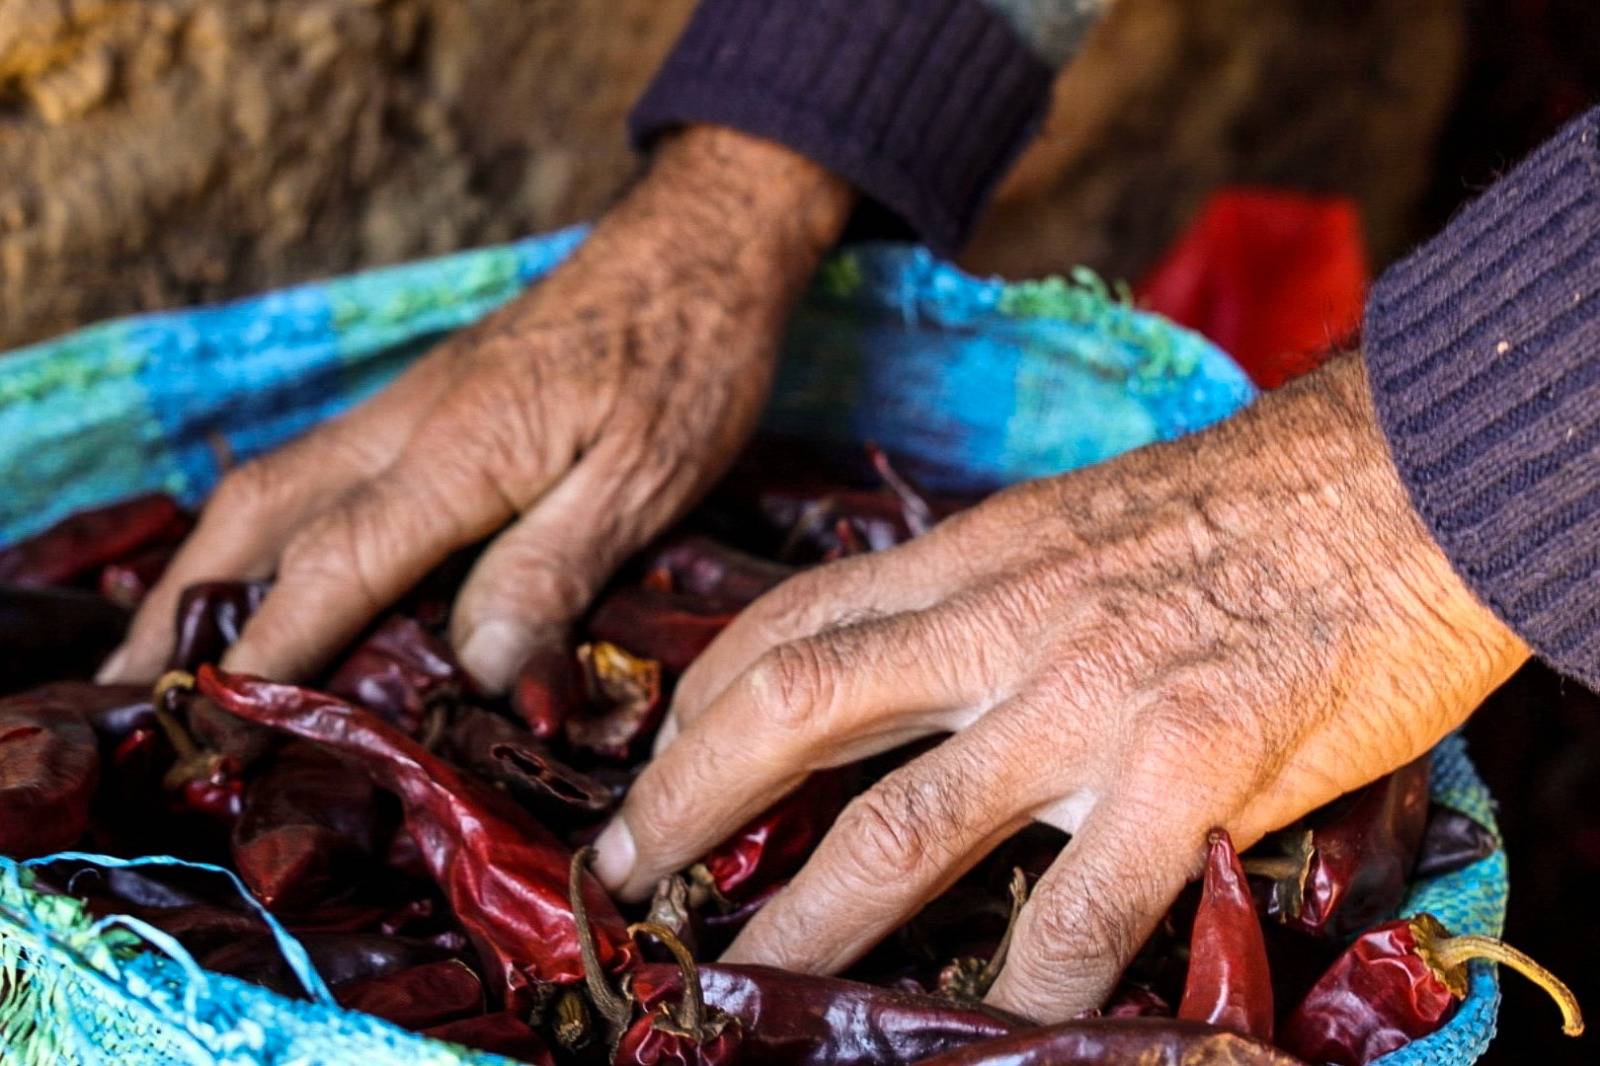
(548, 689)
(1350, 862)
(309, 821)
(500, 1033)
(1229, 984)
(1119, 1042)
(669, 627)
(49, 766)
(399, 672)
(1397, 982)
(211, 615)
(504, 874)
(627, 690)
(706, 569)
(76, 547)
(419, 998)
(54, 634)
(1453, 841)
(688, 1033)
(499, 751)
(772, 846)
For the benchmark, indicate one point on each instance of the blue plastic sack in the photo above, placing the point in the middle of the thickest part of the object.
(976, 382)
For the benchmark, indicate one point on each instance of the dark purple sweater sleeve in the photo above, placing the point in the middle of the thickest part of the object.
(1483, 349)
(921, 104)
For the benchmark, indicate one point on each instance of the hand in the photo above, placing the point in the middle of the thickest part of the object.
(1229, 630)
(588, 414)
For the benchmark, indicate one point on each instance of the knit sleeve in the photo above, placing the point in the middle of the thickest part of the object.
(1483, 349)
(921, 104)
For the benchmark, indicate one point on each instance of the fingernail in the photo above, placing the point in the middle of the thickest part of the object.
(492, 653)
(614, 855)
(110, 671)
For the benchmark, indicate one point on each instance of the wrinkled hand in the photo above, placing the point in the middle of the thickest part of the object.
(575, 423)
(1228, 630)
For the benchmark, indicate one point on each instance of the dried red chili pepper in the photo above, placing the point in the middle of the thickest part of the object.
(548, 689)
(1399, 981)
(49, 765)
(399, 672)
(629, 689)
(54, 634)
(669, 627)
(501, 1033)
(1229, 984)
(1453, 841)
(688, 1033)
(201, 780)
(704, 568)
(211, 615)
(423, 996)
(1350, 862)
(773, 845)
(1119, 1042)
(501, 752)
(79, 545)
(503, 873)
(128, 581)
(309, 820)
(1136, 1001)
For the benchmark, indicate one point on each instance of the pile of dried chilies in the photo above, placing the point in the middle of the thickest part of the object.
(427, 845)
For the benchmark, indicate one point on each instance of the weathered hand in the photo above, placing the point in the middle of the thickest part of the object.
(1228, 630)
(586, 415)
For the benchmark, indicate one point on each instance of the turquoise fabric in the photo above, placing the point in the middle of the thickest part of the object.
(977, 382)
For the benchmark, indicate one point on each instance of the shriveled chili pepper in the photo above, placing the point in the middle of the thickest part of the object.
(76, 547)
(1453, 841)
(504, 874)
(54, 634)
(1397, 982)
(774, 844)
(211, 615)
(872, 521)
(399, 672)
(501, 1033)
(669, 627)
(309, 820)
(423, 996)
(1349, 863)
(1136, 1001)
(202, 780)
(1119, 1042)
(1229, 984)
(548, 689)
(49, 765)
(502, 753)
(628, 690)
(340, 958)
(688, 1033)
(709, 570)
(127, 582)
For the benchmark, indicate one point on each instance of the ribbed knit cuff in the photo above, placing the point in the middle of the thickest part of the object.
(921, 104)
(1483, 349)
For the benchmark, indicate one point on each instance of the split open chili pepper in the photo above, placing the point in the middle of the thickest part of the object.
(54, 634)
(627, 689)
(504, 874)
(49, 766)
(709, 570)
(1119, 1042)
(75, 548)
(1229, 983)
(417, 998)
(773, 845)
(1349, 864)
(502, 753)
(688, 1033)
(500, 1033)
(1397, 982)
(400, 672)
(548, 689)
(1453, 841)
(309, 820)
(669, 627)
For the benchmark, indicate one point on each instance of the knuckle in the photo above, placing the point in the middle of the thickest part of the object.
(894, 825)
(1072, 929)
(246, 488)
(791, 682)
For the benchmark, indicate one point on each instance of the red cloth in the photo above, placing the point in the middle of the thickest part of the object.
(1276, 279)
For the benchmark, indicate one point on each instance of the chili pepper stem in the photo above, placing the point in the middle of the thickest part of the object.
(691, 1013)
(612, 1005)
(991, 969)
(1450, 955)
